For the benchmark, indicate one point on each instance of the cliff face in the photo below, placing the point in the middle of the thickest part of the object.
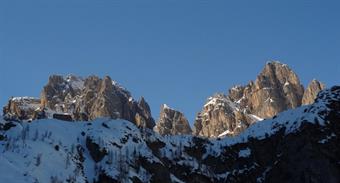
(21, 108)
(312, 90)
(90, 98)
(276, 89)
(172, 122)
(220, 116)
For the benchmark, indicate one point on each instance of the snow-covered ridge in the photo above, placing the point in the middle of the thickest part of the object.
(165, 106)
(17, 99)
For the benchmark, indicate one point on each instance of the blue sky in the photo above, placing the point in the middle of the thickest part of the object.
(175, 52)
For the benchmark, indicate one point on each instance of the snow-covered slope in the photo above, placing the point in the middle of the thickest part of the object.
(51, 149)
(106, 150)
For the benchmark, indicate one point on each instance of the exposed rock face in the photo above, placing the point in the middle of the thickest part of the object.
(314, 87)
(23, 108)
(60, 91)
(96, 153)
(276, 88)
(90, 98)
(220, 115)
(101, 98)
(172, 122)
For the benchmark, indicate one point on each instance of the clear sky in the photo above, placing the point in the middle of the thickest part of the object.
(177, 52)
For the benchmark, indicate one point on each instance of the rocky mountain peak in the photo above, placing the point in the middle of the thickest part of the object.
(220, 115)
(89, 98)
(20, 108)
(62, 87)
(312, 90)
(172, 122)
(276, 89)
(143, 104)
(276, 74)
(107, 84)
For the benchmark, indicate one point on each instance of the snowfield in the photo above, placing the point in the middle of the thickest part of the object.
(47, 149)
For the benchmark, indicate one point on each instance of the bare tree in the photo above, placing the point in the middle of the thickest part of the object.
(25, 133)
(36, 135)
(68, 160)
(38, 159)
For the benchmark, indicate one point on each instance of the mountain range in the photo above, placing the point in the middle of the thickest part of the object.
(92, 130)
(276, 89)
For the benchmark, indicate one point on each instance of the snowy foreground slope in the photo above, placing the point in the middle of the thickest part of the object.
(300, 145)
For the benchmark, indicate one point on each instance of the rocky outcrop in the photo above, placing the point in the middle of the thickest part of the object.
(100, 98)
(95, 150)
(63, 117)
(276, 89)
(172, 122)
(60, 91)
(312, 90)
(23, 108)
(220, 116)
(87, 99)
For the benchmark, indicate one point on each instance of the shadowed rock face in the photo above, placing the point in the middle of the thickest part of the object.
(172, 122)
(276, 89)
(312, 90)
(90, 98)
(100, 98)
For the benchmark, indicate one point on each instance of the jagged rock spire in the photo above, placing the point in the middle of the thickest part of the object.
(312, 90)
(172, 122)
